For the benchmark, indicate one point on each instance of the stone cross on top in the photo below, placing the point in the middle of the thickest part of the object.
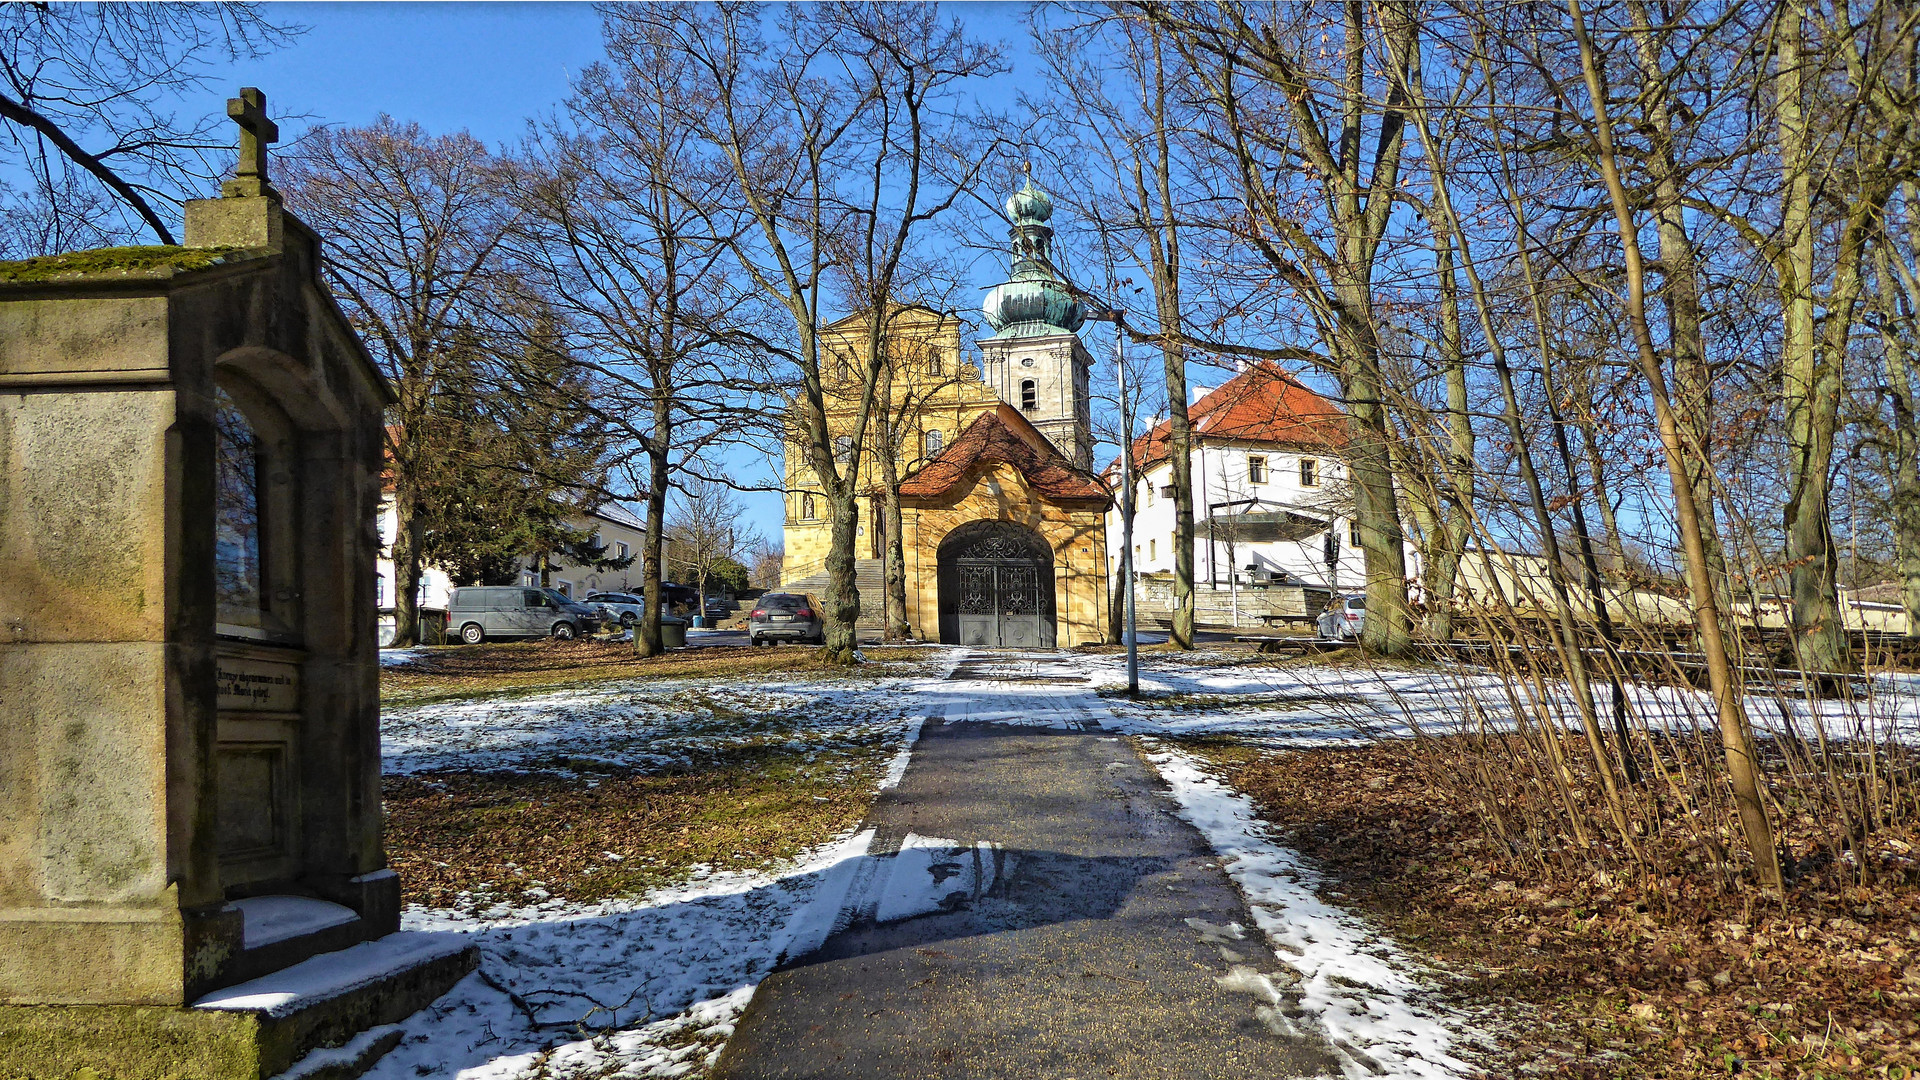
(249, 110)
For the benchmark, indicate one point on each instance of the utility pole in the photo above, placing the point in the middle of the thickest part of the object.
(1126, 501)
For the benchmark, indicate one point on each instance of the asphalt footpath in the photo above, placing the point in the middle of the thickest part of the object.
(1089, 931)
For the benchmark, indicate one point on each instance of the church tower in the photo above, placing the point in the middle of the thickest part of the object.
(1035, 361)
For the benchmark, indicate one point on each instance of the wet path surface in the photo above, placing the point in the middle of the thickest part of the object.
(1077, 927)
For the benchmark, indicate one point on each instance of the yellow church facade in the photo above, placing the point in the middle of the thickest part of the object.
(1003, 525)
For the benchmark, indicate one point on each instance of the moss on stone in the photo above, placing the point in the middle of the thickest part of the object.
(115, 260)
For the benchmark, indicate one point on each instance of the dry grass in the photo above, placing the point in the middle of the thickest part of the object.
(497, 835)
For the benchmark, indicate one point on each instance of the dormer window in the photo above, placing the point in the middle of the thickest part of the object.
(1029, 395)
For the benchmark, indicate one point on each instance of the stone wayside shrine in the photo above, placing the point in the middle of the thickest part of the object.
(192, 881)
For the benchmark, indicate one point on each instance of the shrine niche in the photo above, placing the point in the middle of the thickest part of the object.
(189, 685)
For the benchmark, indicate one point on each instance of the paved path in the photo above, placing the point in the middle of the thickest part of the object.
(1083, 930)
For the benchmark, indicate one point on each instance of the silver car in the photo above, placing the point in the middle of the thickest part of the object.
(480, 612)
(1344, 619)
(622, 608)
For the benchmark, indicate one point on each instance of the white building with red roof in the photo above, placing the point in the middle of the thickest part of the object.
(1270, 495)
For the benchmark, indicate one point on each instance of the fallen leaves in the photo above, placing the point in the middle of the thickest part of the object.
(1603, 974)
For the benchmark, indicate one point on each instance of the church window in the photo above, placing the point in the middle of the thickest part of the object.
(1309, 472)
(1029, 395)
(843, 448)
(1256, 469)
(933, 440)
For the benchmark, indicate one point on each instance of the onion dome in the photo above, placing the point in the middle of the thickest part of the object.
(1036, 301)
(1029, 206)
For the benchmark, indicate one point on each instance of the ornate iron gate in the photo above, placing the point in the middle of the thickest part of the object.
(997, 587)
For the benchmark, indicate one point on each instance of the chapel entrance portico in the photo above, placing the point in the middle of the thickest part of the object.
(996, 587)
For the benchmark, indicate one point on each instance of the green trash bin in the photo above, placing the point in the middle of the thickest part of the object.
(673, 631)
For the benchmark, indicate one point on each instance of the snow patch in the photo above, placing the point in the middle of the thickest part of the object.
(1355, 984)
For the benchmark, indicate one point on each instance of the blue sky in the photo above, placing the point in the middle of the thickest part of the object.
(487, 68)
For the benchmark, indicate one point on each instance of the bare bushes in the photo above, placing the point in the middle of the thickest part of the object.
(1837, 778)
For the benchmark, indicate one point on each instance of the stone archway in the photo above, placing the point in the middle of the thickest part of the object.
(996, 587)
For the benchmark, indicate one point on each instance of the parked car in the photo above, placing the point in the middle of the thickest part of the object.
(1344, 619)
(622, 608)
(786, 617)
(480, 612)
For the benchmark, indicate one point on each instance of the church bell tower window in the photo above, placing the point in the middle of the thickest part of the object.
(1029, 395)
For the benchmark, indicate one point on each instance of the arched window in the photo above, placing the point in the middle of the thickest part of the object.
(933, 440)
(1029, 395)
(807, 507)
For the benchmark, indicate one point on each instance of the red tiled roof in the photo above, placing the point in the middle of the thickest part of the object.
(1261, 404)
(1002, 435)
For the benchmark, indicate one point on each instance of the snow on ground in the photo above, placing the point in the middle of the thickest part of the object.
(626, 724)
(1363, 993)
(652, 986)
(401, 657)
(1302, 705)
(642, 987)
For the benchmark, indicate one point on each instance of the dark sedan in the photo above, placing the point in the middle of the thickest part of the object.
(785, 617)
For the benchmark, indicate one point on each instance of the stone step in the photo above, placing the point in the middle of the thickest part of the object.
(340, 1005)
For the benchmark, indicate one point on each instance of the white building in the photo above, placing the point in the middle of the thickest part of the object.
(1269, 486)
(612, 525)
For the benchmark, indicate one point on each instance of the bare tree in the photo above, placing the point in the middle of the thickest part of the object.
(1736, 736)
(1124, 136)
(415, 224)
(842, 137)
(1317, 208)
(86, 99)
(627, 229)
(706, 530)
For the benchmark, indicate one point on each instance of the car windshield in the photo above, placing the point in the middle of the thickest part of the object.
(559, 598)
(783, 602)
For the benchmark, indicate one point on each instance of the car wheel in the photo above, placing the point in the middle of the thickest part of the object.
(627, 621)
(563, 631)
(472, 634)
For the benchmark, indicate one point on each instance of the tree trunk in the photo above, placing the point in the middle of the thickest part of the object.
(1180, 458)
(1810, 379)
(1164, 249)
(896, 553)
(1453, 514)
(1897, 327)
(646, 634)
(843, 590)
(1736, 737)
(1376, 506)
(406, 570)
